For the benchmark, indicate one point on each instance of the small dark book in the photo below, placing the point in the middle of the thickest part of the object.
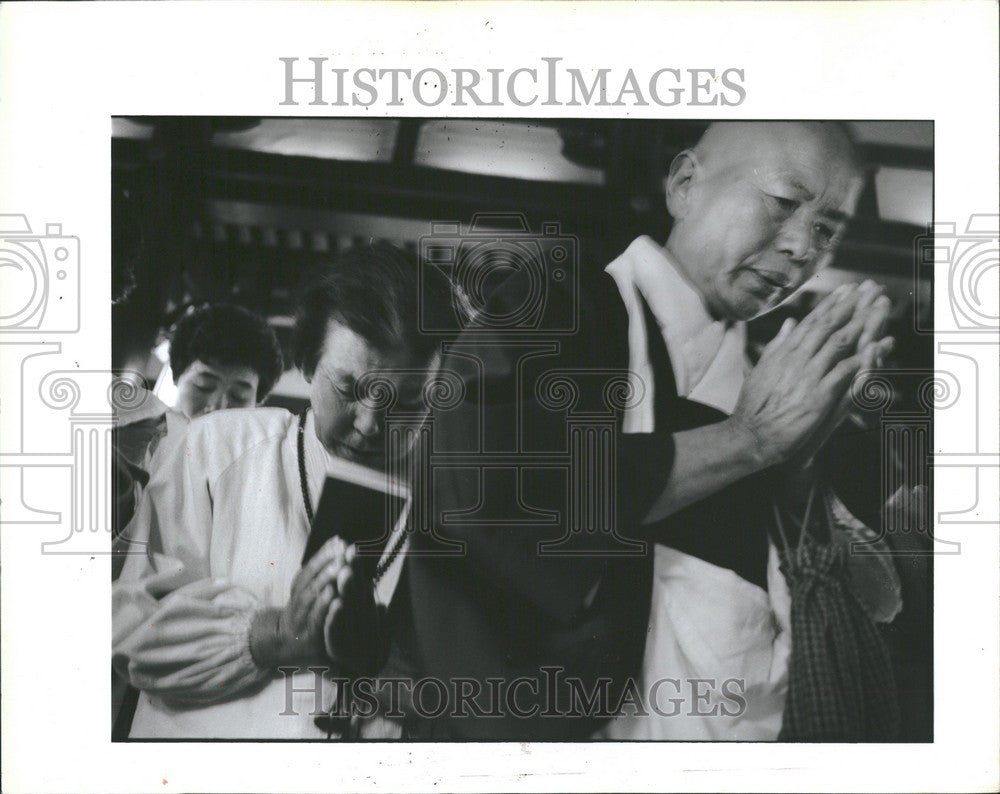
(362, 506)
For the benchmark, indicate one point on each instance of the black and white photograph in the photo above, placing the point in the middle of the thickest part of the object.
(473, 429)
(499, 396)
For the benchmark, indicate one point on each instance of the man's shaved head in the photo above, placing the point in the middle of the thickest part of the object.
(758, 207)
(726, 141)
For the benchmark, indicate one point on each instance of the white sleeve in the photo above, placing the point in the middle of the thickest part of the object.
(178, 633)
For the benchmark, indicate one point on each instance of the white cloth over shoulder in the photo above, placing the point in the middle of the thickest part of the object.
(219, 534)
(716, 659)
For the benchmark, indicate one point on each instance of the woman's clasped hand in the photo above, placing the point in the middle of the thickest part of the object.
(330, 611)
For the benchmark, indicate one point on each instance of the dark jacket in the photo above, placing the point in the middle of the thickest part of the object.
(567, 620)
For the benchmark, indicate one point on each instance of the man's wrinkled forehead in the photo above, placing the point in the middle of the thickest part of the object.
(733, 141)
(810, 152)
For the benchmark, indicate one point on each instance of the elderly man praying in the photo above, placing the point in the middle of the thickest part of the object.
(758, 209)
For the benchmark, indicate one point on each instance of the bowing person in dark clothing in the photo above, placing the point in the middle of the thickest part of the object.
(615, 456)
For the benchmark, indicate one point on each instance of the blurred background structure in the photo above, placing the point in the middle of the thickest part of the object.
(238, 209)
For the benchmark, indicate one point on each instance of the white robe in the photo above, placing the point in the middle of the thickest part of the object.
(707, 625)
(219, 534)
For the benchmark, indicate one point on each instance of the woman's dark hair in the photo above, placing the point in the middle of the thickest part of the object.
(227, 335)
(377, 292)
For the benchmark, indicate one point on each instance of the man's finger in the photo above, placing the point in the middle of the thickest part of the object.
(868, 293)
(818, 312)
(884, 348)
(875, 321)
(840, 410)
(848, 340)
(866, 361)
(780, 338)
(836, 382)
(809, 337)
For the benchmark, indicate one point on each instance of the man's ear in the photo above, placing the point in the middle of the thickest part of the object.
(677, 183)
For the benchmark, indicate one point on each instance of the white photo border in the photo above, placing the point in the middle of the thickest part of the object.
(66, 69)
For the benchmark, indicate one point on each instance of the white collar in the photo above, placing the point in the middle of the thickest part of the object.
(706, 354)
(676, 305)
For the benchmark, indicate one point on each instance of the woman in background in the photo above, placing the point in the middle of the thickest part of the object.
(223, 356)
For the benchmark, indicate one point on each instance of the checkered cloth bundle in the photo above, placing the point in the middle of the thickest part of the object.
(840, 681)
(840, 686)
